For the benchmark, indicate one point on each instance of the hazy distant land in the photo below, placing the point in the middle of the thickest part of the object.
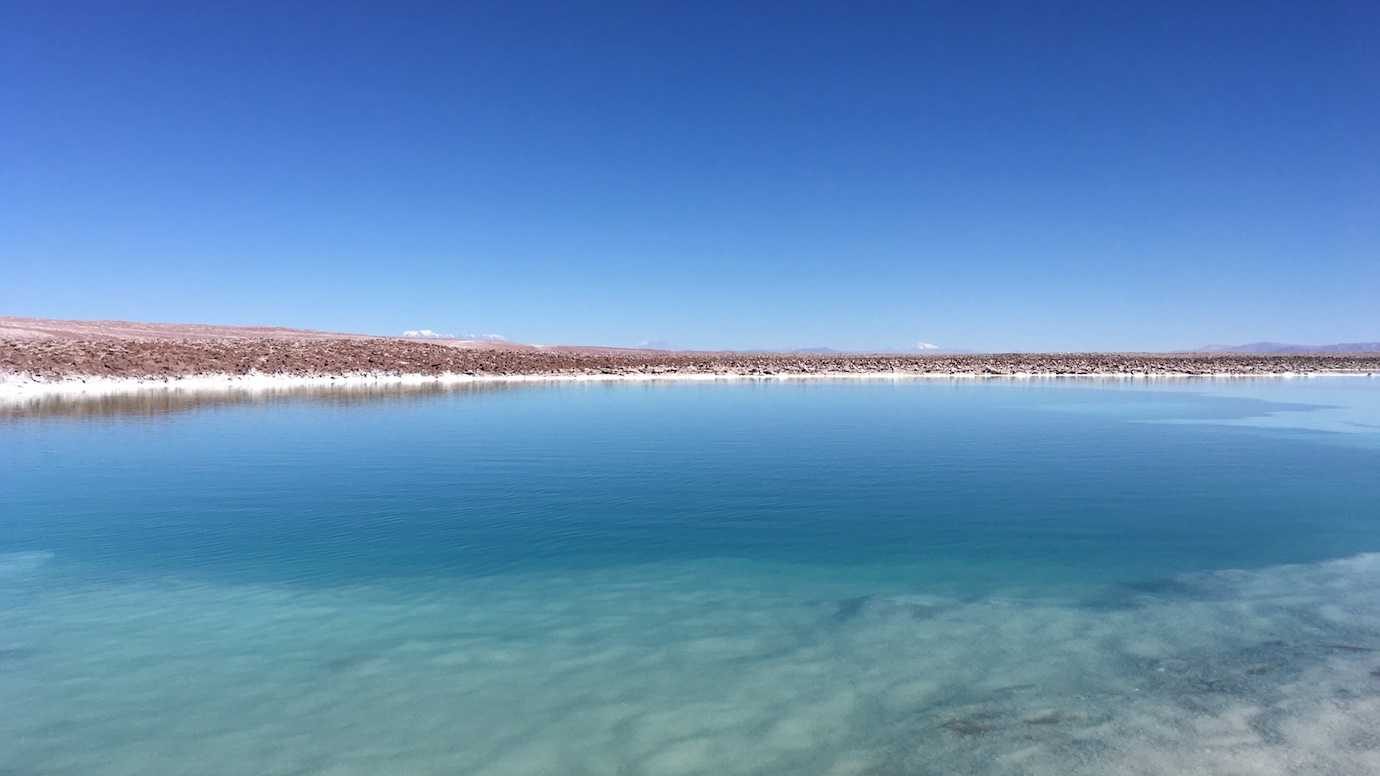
(1287, 348)
(41, 350)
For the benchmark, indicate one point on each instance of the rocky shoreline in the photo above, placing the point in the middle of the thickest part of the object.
(69, 360)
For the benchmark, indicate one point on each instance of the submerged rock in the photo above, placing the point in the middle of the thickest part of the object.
(15, 654)
(1052, 717)
(848, 609)
(969, 726)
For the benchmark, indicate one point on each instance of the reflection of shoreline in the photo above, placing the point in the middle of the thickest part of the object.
(158, 399)
(98, 397)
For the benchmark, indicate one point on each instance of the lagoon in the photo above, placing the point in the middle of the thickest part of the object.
(812, 577)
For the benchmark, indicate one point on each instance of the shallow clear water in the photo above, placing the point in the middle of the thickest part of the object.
(890, 577)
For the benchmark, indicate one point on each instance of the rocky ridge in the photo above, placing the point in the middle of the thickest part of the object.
(54, 359)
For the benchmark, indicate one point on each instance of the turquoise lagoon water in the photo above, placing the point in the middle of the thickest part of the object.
(854, 577)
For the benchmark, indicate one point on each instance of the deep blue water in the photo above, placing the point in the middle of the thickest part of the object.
(794, 577)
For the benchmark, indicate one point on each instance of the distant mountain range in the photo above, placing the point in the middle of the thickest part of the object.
(1283, 347)
(923, 349)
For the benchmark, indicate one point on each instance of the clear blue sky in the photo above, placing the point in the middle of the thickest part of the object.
(1036, 175)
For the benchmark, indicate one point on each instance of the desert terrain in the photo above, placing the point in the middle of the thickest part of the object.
(43, 350)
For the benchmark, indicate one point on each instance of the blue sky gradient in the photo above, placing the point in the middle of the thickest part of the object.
(1006, 176)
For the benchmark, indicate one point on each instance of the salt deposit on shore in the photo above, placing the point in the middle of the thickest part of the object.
(92, 359)
(19, 389)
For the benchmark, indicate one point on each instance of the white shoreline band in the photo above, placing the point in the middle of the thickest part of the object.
(22, 388)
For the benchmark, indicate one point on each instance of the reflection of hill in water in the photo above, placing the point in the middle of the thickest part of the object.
(153, 402)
